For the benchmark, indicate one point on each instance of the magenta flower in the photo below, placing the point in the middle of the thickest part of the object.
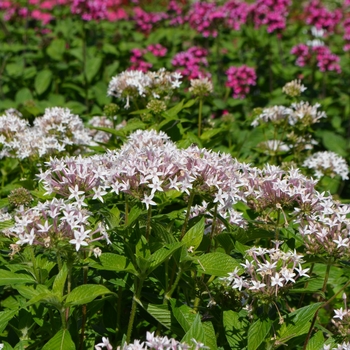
(240, 79)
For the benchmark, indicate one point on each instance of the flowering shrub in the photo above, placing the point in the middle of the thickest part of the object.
(174, 175)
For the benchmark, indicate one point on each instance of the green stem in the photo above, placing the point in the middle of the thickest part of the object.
(126, 210)
(184, 227)
(86, 83)
(84, 309)
(148, 228)
(200, 117)
(135, 300)
(174, 286)
(119, 307)
(213, 226)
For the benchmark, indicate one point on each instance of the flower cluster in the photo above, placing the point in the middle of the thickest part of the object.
(327, 163)
(136, 84)
(201, 87)
(298, 113)
(240, 79)
(294, 88)
(322, 18)
(267, 271)
(205, 18)
(90, 9)
(56, 131)
(192, 62)
(271, 13)
(153, 342)
(325, 59)
(145, 21)
(137, 60)
(49, 223)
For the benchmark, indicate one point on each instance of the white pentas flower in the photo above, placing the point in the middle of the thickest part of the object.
(267, 271)
(273, 146)
(130, 85)
(201, 87)
(274, 115)
(327, 163)
(294, 88)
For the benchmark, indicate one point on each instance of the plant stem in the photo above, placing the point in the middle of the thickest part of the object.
(135, 300)
(200, 116)
(174, 286)
(148, 228)
(190, 201)
(83, 321)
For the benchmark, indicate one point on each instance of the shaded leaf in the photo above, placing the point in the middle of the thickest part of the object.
(257, 333)
(194, 235)
(61, 341)
(86, 293)
(42, 81)
(217, 264)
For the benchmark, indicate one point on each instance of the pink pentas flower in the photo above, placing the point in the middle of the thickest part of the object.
(138, 63)
(192, 62)
(157, 50)
(325, 59)
(322, 18)
(44, 17)
(205, 18)
(145, 21)
(240, 79)
(236, 13)
(272, 13)
(90, 9)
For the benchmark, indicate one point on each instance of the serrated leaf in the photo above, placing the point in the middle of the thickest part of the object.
(162, 254)
(92, 67)
(196, 332)
(47, 298)
(236, 325)
(114, 262)
(8, 278)
(217, 264)
(194, 235)
(62, 340)
(209, 335)
(183, 314)
(30, 292)
(5, 317)
(60, 281)
(298, 322)
(85, 294)
(160, 313)
(257, 333)
(42, 81)
(316, 342)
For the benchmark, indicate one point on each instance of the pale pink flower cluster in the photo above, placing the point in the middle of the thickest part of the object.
(342, 346)
(267, 271)
(153, 342)
(48, 223)
(298, 113)
(327, 163)
(324, 226)
(135, 84)
(58, 130)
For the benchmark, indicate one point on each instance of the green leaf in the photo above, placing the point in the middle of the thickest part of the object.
(23, 95)
(86, 293)
(56, 49)
(61, 341)
(47, 298)
(183, 314)
(42, 81)
(316, 342)
(5, 317)
(257, 333)
(209, 335)
(92, 67)
(60, 281)
(160, 313)
(196, 332)
(333, 142)
(174, 111)
(194, 235)
(76, 107)
(8, 278)
(298, 322)
(162, 254)
(236, 325)
(134, 213)
(114, 262)
(217, 264)
(6, 224)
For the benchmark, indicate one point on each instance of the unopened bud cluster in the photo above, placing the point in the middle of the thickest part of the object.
(156, 106)
(19, 196)
(293, 88)
(201, 87)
